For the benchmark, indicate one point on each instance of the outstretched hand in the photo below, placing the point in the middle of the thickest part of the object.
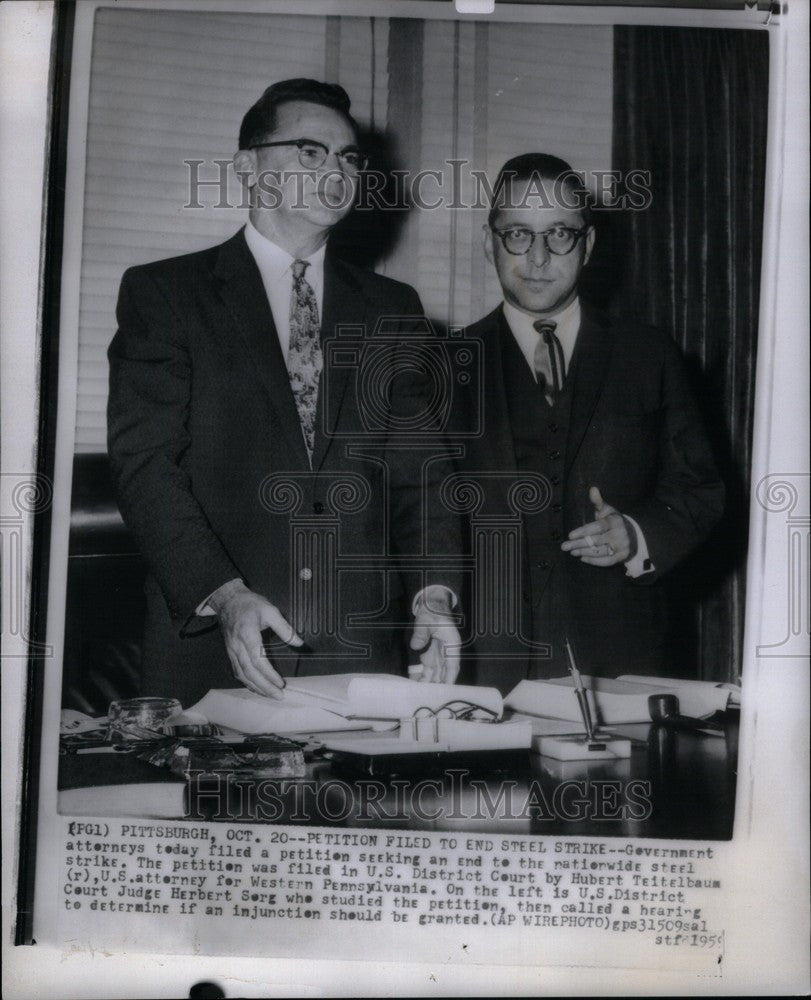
(242, 615)
(438, 639)
(605, 541)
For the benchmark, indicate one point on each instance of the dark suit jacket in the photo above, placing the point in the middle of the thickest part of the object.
(213, 478)
(634, 432)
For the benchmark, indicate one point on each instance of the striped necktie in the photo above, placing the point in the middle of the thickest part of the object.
(550, 364)
(304, 358)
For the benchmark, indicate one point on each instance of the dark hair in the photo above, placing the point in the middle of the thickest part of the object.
(538, 167)
(260, 120)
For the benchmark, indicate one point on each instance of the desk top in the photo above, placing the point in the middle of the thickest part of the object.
(676, 784)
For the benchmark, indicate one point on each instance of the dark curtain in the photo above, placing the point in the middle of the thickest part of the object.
(690, 106)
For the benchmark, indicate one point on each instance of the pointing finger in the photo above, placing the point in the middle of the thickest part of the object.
(592, 529)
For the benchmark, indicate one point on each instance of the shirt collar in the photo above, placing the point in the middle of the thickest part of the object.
(567, 325)
(272, 260)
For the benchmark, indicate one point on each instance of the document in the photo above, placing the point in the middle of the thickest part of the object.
(615, 700)
(342, 702)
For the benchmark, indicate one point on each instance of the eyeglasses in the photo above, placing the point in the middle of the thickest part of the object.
(313, 154)
(558, 240)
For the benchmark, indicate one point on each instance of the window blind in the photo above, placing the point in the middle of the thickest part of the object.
(167, 87)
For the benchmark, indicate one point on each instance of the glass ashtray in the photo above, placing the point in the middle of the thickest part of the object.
(138, 719)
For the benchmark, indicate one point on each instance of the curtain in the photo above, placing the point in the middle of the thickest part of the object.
(690, 106)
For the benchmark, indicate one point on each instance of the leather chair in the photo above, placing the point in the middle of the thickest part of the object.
(105, 603)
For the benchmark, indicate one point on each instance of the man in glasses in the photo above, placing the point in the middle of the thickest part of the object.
(598, 416)
(244, 459)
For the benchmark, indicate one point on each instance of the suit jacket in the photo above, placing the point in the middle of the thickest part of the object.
(213, 476)
(635, 432)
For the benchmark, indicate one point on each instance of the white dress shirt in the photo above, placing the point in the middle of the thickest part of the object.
(567, 326)
(276, 268)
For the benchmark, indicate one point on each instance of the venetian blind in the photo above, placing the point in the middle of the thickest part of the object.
(167, 87)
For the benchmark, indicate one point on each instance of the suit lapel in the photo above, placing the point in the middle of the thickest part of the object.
(344, 305)
(244, 295)
(503, 454)
(494, 450)
(592, 355)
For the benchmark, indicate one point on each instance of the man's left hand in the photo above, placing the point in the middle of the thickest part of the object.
(436, 635)
(606, 541)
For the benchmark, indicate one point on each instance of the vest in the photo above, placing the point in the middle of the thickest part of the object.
(539, 434)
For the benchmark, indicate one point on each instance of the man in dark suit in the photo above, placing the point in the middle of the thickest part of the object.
(596, 418)
(256, 468)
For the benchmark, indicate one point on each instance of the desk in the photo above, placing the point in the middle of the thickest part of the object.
(675, 785)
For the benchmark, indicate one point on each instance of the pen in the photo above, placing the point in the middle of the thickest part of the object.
(579, 691)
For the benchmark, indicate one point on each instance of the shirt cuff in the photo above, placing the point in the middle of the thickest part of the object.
(204, 609)
(435, 590)
(641, 563)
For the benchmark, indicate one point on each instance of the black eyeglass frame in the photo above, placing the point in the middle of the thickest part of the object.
(502, 235)
(301, 143)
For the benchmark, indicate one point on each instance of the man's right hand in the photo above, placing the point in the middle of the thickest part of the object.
(242, 615)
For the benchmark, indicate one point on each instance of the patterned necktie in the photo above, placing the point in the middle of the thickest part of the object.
(304, 358)
(550, 364)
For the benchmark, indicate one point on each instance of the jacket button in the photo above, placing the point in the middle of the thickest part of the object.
(543, 564)
(305, 574)
(557, 508)
(554, 480)
(318, 507)
(556, 536)
(554, 455)
(553, 427)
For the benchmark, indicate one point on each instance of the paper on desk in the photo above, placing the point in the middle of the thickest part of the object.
(247, 712)
(614, 700)
(729, 694)
(452, 735)
(386, 696)
(336, 702)
(545, 726)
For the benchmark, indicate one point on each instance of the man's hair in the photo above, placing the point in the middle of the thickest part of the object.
(260, 120)
(537, 168)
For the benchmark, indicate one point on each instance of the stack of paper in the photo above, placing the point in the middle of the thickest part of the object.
(247, 712)
(338, 702)
(386, 696)
(615, 701)
(451, 735)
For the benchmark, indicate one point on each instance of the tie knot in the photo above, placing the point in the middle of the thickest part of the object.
(546, 328)
(299, 267)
